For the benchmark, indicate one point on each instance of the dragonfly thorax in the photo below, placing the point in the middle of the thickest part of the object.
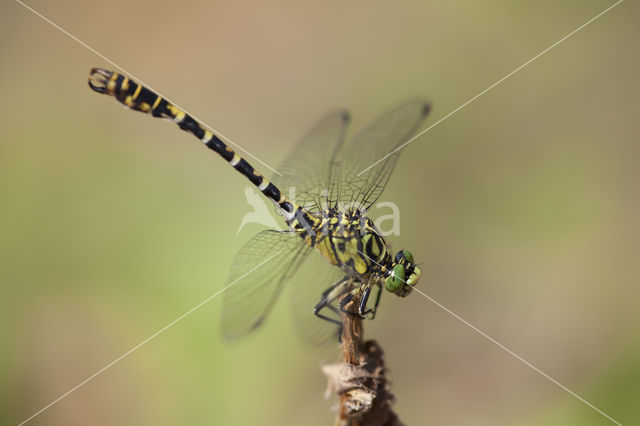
(349, 240)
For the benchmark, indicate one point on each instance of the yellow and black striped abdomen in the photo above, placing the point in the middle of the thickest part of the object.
(140, 98)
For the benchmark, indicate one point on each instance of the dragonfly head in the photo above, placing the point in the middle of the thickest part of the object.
(403, 274)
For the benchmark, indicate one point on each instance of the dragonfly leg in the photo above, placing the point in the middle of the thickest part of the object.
(363, 304)
(343, 303)
(328, 297)
(362, 309)
(375, 305)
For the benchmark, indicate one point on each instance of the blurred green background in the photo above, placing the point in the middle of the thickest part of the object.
(523, 208)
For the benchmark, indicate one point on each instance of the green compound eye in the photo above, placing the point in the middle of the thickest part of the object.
(395, 281)
(415, 276)
(408, 256)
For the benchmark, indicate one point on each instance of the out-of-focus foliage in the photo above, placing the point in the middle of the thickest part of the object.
(522, 208)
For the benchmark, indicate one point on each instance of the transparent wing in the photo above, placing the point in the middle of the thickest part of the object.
(259, 272)
(371, 145)
(311, 279)
(305, 173)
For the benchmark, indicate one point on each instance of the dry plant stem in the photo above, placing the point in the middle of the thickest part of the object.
(351, 339)
(351, 348)
(360, 380)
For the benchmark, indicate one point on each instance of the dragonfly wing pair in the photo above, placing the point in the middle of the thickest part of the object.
(320, 173)
(255, 288)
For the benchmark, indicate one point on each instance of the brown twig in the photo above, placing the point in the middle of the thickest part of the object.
(360, 380)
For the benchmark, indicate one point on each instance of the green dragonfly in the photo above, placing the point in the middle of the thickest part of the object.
(327, 220)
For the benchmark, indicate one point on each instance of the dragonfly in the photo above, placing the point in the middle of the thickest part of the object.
(332, 253)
